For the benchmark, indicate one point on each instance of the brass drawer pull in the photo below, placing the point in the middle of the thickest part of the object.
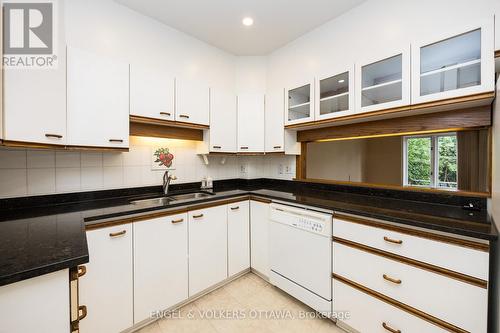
(116, 234)
(184, 116)
(217, 147)
(82, 270)
(116, 140)
(244, 147)
(55, 136)
(177, 221)
(395, 281)
(82, 312)
(235, 208)
(165, 113)
(392, 330)
(393, 241)
(197, 216)
(277, 147)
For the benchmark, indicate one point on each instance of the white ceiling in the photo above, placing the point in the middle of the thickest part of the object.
(218, 22)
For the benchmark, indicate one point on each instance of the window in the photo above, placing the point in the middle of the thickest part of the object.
(431, 161)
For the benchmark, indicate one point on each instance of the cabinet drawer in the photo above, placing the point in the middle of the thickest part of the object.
(457, 258)
(368, 314)
(456, 302)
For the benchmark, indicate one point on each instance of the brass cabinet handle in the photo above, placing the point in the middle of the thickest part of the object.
(216, 147)
(395, 281)
(184, 116)
(55, 136)
(82, 270)
(393, 241)
(177, 221)
(277, 147)
(244, 147)
(197, 216)
(82, 312)
(165, 113)
(235, 208)
(392, 330)
(116, 140)
(116, 234)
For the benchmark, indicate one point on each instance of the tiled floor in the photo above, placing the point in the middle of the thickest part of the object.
(248, 304)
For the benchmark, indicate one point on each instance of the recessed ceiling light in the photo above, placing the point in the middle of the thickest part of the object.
(248, 21)
(341, 81)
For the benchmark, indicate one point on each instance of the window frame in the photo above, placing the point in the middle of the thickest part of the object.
(434, 160)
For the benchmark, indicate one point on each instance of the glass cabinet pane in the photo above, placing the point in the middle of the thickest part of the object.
(382, 81)
(334, 94)
(450, 64)
(299, 103)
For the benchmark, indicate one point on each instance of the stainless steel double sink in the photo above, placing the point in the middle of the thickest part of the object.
(165, 200)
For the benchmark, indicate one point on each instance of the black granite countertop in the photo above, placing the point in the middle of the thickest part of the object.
(40, 235)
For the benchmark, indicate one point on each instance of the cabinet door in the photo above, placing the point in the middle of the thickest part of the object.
(45, 298)
(207, 248)
(238, 235)
(160, 264)
(259, 235)
(34, 108)
(383, 82)
(223, 121)
(192, 101)
(107, 288)
(459, 64)
(299, 103)
(151, 93)
(251, 123)
(98, 100)
(274, 122)
(335, 94)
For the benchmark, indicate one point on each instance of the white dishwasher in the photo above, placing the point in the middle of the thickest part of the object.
(300, 254)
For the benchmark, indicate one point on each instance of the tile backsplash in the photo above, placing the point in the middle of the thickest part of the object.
(26, 172)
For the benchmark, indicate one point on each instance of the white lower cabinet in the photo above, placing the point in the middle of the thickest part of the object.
(365, 313)
(40, 304)
(107, 288)
(238, 236)
(259, 235)
(160, 264)
(207, 248)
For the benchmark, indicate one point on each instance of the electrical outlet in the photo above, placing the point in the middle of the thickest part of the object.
(243, 169)
(280, 169)
(288, 170)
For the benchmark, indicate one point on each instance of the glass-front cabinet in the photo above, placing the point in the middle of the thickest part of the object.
(460, 63)
(383, 82)
(299, 103)
(335, 94)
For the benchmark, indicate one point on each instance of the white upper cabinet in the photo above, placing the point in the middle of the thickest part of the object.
(251, 123)
(460, 63)
(98, 100)
(192, 102)
(299, 103)
(274, 123)
(335, 94)
(383, 81)
(223, 121)
(34, 100)
(151, 93)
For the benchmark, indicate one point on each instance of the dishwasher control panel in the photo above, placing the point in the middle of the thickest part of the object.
(303, 219)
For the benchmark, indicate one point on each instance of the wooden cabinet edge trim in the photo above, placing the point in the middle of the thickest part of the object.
(417, 233)
(411, 310)
(22, 144)
(497, 54)
(415, 263)
(173, 211)
(163, 122)
(260, 199)
(420, 106)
